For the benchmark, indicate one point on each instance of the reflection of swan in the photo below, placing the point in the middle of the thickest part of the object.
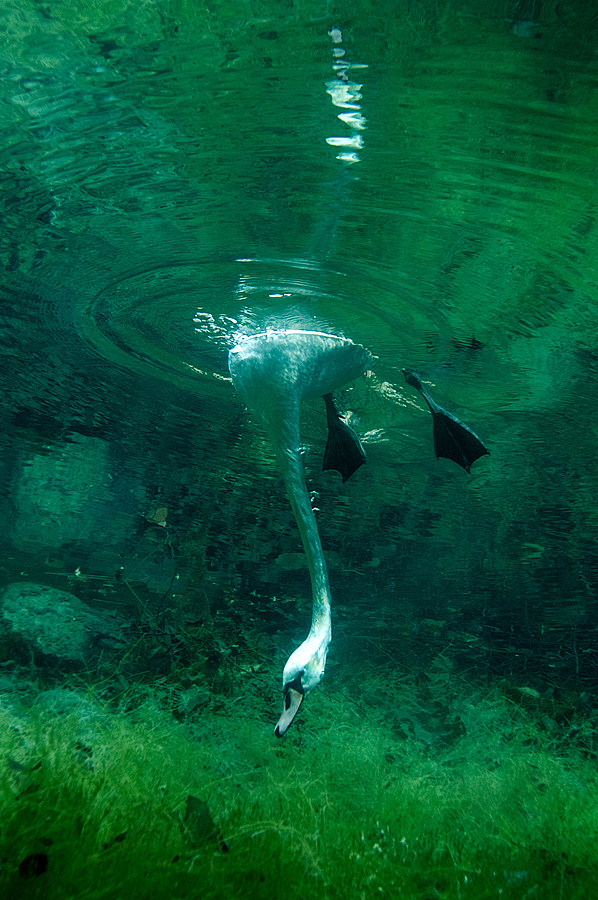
(272, 373)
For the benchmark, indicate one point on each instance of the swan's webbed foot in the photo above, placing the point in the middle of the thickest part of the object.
(453, 439)
(344, 452)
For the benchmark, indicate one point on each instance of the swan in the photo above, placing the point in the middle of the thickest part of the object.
(272, 372)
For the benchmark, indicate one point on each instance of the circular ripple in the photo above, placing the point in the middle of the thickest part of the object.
(177, 321)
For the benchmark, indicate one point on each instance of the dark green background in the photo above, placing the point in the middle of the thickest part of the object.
(165, 171)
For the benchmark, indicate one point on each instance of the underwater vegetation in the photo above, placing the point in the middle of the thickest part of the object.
(168, 181)
(399, 797)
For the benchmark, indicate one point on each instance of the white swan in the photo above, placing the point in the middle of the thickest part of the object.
(272, 373)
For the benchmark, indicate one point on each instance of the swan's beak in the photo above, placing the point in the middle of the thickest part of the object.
(292, 700)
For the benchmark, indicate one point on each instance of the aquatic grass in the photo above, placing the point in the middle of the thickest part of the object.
(342, 807)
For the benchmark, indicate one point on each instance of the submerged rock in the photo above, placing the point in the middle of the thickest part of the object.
(62, 495)
(56, 623)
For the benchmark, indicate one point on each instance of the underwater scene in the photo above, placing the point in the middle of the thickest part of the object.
(298, 471)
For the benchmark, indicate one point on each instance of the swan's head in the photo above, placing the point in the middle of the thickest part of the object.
(303, 671)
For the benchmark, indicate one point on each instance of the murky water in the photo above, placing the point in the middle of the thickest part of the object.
(418, 177)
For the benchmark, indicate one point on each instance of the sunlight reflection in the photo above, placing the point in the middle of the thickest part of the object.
(345, 94)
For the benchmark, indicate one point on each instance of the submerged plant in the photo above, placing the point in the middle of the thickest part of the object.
(101, 804)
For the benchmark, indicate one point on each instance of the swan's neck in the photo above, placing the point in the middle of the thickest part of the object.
(286, 442)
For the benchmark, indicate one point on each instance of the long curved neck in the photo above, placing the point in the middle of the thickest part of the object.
(286, 443)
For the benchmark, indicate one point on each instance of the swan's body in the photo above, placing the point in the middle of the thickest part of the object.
(272, 373)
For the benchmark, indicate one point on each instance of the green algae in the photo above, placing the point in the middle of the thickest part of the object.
(346, 806)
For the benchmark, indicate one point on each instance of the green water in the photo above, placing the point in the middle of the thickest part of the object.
(174, 176)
